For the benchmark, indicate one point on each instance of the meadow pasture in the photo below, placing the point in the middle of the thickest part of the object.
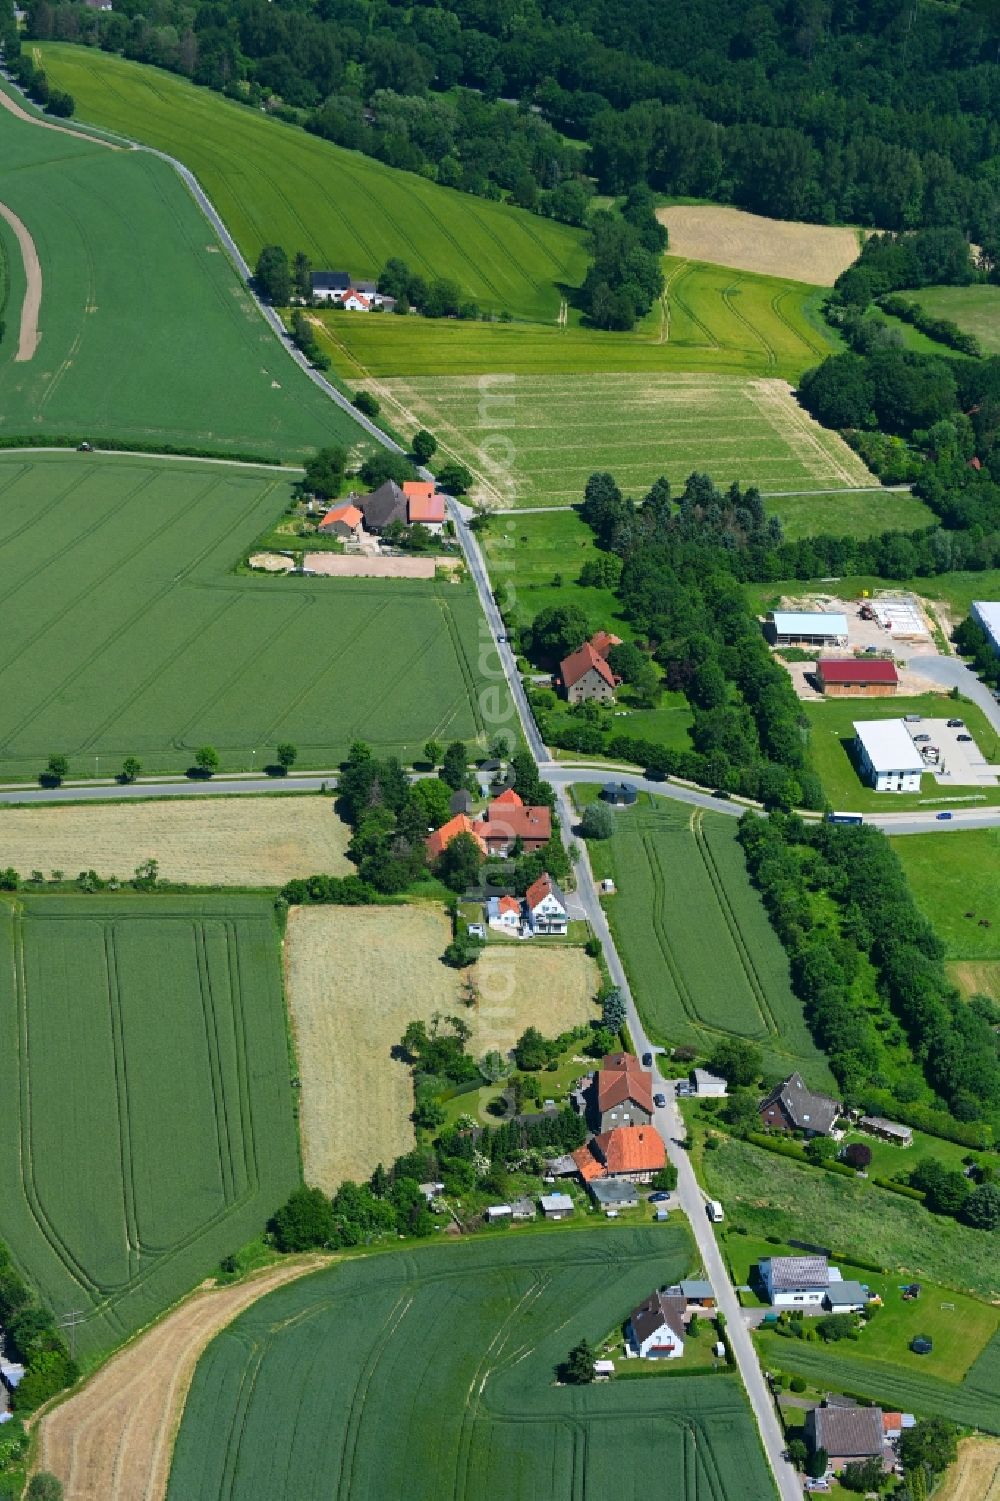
(725, 236)
(123, 1180)
(130, 635)
(702, 958)
(975, 309)
(146, 332)
(274, 183)
(356, 976)
(452, 1349)
(956, 882)
(211, 841)
(534, 440)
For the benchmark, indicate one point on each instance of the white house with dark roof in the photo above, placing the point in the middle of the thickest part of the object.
(330, 286)
(655, 1329)
(795, 1281)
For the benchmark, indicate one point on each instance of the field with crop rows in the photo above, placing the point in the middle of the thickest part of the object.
(702, 958)
(147, 333)
(209, 841)
(356, 976)
(451, 1351)
(534, 440)
(274, 183)
(145, 1068)
(128, 633)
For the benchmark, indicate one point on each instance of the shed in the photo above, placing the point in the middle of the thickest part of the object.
(460, 801)
(556, 1206)
(876, 1125)
(620, 794)
(496, 1212)
(712, 1086)
(603, 1369)
(523, 1209)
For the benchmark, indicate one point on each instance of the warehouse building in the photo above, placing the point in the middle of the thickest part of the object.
(986, 612)
(887, 756)
(864, 677)
(809, 628)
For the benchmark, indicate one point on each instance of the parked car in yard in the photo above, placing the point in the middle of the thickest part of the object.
(647, 1060)
(659, 1198)
(659, 1100)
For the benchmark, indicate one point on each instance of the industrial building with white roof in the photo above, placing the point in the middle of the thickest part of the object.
(889, 759)
(987, 613)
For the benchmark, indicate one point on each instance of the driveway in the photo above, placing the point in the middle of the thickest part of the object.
(951, 672)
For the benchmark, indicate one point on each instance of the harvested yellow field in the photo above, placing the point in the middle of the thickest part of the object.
(815, 253)
(355, 976)
(975, 1475)
(976, 976)
(204, 841)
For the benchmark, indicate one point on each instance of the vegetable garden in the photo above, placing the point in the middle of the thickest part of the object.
(144, 1063)
(430, 1373)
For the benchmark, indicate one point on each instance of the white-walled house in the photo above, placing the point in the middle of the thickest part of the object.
(546, 907)
(795, 1281)
(503, 913)
(655, 1330)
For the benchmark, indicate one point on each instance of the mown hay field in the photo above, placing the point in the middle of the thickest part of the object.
(150, 1128)
(450, 1351)
(815, 253)
(211, 841)
(274, 183)
(975, 1476)
(354, 978)
(534, 440)
(128, 633)
(708, 320)
(702, 958)
(147, 333)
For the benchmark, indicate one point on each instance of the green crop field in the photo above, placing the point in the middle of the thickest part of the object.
(149, 1125)
(147, 333)
(767, 1194)
(429, 1373)
(534, 440)
(129, 634)
(702, 958)
(975, 309)
(831, 748)
(272, 182)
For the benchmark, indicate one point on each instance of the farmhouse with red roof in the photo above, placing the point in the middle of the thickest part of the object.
(634, 1153)
(439, 841)
(344, 521)
(423, 505)
(623, 1092)
(507, 819)
(586, 676)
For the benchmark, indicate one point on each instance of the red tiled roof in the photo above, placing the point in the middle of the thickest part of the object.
(540, 889)
(361, 297)
(631, 1149)
(508, 799)
(439, 841)
(508, 904)
(422, 503)
(348, 514)
(603, 641)
(580, 662)
(842, 670)
(504, 822)
(623, 1078)
(587, 1165)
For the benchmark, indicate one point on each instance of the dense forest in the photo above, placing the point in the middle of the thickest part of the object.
(881, 113)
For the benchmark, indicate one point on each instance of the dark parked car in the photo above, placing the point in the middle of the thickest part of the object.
(660, 1198)
(647, 1060)
(659, 1100)
(963, 737)
(956, 724)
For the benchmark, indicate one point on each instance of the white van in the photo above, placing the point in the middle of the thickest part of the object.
(714, 1210)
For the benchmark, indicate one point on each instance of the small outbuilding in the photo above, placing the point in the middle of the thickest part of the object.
(870, 677)
(619, 794)
(556, 1206)
(846, 1296)
(891, 1131)
(461, 801)
(497, 1212)
(809, 628)
(710, 1086)
(613, 1194)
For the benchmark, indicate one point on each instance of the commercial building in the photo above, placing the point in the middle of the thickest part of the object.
(888, 758)
(809, 628)
(986, 612)
(867, 677)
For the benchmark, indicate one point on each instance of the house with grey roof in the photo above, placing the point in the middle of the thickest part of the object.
(612, 1194)
(848, 1434)
(792, 1106)
(382, 506)
(795, 1281)
(846, 1296)
(556, 1206)
(695, 1290)
(655, 1329)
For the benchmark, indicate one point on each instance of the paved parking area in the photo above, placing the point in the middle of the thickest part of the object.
(961, 763)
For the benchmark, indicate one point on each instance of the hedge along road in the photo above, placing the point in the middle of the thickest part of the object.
(28, 337)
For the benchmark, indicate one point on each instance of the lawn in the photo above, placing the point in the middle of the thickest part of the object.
(953, 877)
(451, 1350)
(274, 183)
(147, 333)
(535, 439)
(849, 513)
(145, 1067)
(975, 309)
(702, 958)
(831, 750)
(129, 634)
(355, 978)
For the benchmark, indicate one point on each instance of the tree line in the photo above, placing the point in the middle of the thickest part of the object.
(910, 1033)
(879, 114)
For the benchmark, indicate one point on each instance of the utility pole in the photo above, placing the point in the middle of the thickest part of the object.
(69, 1321)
